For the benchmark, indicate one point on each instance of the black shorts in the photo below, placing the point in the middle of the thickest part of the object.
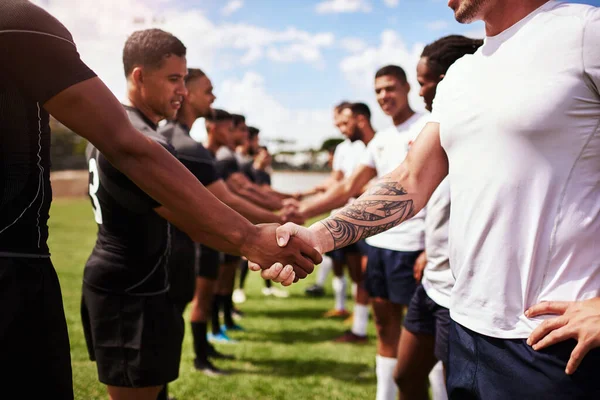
(182, 277)
(135, 340)
(230, 259)
(426, 317)
(390, 274)
(207, 262)
(483, 367)
(34, 346)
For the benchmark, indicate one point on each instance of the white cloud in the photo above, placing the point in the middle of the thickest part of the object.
(437, 25)
(342, 6)
(249, 96)
(232, 7)
(359, 70)
(391, 3)
(353, 45)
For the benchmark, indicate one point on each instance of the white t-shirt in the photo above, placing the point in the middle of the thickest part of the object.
(519, 121)
(347, 156)
(385, 152)
(437, 277)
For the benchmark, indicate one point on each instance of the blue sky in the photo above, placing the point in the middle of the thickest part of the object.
(284, 64)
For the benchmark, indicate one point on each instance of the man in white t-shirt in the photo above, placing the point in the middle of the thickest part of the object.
(389, 276)
(517, 129)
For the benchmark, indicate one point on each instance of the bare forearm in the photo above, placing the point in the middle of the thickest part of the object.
(249, 210)
(258, 199)
(337, 196)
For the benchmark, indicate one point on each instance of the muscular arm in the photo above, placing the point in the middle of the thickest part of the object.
(241, 186)
(395, 198)
(249, 210)
(339, 194)
(91, 110)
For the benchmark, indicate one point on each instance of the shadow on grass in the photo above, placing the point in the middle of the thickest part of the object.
(294, 368)
(294, 313)
(288, 336)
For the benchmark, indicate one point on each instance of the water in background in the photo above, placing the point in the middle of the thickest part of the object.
(292, 182)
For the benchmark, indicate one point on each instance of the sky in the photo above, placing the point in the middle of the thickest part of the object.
(283, 64)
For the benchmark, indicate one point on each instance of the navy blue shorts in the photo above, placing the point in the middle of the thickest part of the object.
(482, 367)
(390, 274)
(340, 254)
(426, 317)
(363, 247)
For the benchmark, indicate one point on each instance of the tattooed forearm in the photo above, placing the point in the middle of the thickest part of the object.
(382, 207)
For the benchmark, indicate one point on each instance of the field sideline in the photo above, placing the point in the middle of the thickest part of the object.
(286, 352)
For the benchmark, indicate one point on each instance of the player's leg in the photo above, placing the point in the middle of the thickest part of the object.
(318, 289)
(225, 287)
(239, 296)
(125, 393)
(339, 286)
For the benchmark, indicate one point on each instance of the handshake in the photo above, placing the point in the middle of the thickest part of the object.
(286, 253)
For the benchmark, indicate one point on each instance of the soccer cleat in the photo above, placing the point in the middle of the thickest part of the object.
(237, 314)
(220, 337)
(234, 328)
(211, 352)
(238, 296)
(266, 291)
(351, 337)
(208, 368)
(315, 291)
(277, 292)
(350, 320)
(336, 314)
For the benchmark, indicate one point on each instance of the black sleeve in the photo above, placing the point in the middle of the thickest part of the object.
(227, 167)
(205, 172)
(262, 178)
(38, 52)
(122, 189)
(248, 170)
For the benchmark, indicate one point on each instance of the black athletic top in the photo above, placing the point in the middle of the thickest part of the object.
(226, 164)
(38, 60)
(133, 244)
(255, 175)
(200, 163)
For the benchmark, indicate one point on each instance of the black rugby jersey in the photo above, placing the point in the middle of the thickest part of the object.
(38, 60)
(133, 244)
(257, 176)
(226, 163)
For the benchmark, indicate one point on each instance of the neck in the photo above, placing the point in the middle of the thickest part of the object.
(368, 134)
(134, 100)
(212, 145)
(187, 116)
(403, 116)
(505, 14)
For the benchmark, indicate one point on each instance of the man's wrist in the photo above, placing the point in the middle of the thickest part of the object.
(323, 238)
(249, 233)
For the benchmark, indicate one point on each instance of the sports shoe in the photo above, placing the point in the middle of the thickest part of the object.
(336, 314)
(208, 368)
(350, 320)
(267, 291)
(315, 291)
(277, 292)
(220, 337)
(234, 328)
(211, 352)
(351, 337)
(237, 314)
(238, 296)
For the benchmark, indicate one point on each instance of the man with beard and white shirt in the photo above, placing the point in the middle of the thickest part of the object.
(389, 277)
(517, 129)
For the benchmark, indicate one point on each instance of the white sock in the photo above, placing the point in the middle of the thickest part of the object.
(354, 290)
(437, 382)
(324, 270)
(339, 291)
(360, 320)
(386, 387)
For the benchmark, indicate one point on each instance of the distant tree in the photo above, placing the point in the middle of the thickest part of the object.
(330, 144)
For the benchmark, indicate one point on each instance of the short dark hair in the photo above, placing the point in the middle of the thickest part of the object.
(253, 132)
(238, 119)
(392, 70)
(149, 48)
(218, 115)
(343, 104)
(360, 109)
(193, 74)
(442, 53)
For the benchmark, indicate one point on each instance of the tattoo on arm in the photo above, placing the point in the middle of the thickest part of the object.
(382, 207)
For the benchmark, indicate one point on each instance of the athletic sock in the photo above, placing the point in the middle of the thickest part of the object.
(323, 271)
(339, 291)
(354, 290)
(268, 283)
(438, 383)
(227, 310)
(243, 273)
(215, 324)
(360, 320)
(199, 330)
(386, 387)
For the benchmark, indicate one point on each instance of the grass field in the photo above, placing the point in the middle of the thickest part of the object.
(286, 352)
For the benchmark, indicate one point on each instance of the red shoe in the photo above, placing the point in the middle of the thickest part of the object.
(336, 314)
(350, 337)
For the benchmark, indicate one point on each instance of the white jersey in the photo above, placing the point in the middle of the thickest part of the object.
(347, 155)
(437, 277)
(519, 121)
(385, 152)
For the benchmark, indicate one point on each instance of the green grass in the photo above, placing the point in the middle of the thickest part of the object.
(285, 353)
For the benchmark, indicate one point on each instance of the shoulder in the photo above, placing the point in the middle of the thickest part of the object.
(19, 17)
